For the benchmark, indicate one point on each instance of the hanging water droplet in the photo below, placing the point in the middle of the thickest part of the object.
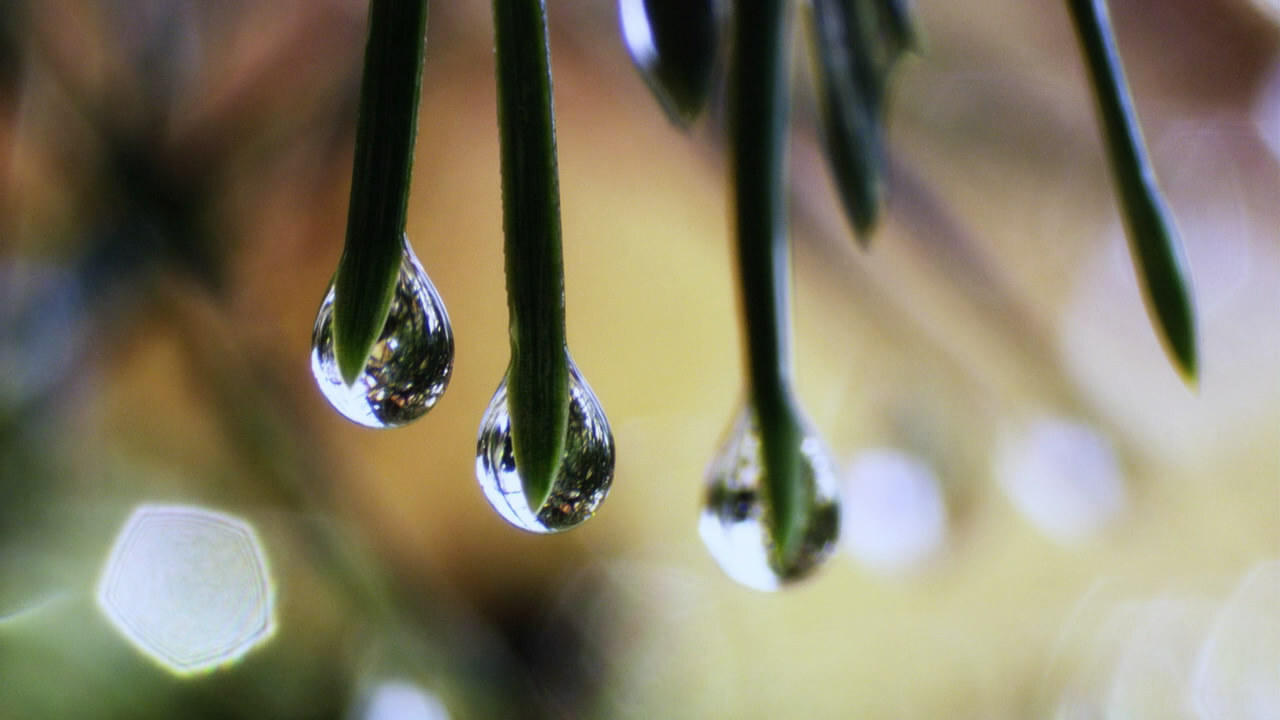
(733, 525)
(409, 365)
(586, 467)
(674, 44)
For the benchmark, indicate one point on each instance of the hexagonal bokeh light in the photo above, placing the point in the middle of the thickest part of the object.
(189, 587)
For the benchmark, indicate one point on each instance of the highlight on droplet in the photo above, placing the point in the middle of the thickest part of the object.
(400, 700)
(637, 34)
(188, 587)
(895, 518)
(1063, 477)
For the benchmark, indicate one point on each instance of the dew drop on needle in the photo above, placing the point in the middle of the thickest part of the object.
(409, 365)
(586, 467)
(733, 524)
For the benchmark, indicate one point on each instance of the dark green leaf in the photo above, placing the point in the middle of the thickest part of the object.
(1153, 238)
(538, 384)
(385, 134)
(858, 43)
(758, 110)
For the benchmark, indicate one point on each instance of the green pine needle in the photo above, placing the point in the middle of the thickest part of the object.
(857, 44)
(759, 105)
(538, 380)
(387, 125)
(1153, 238)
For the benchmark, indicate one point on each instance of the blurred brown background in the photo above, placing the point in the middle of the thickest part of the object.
(173, 187)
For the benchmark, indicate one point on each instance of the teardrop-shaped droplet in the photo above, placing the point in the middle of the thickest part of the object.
(733, 524)
(409, 365)
(586, 467)
(674, 45)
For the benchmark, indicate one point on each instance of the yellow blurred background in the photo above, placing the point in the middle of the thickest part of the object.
(997, 300)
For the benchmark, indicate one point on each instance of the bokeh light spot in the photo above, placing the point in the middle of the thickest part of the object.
(402, 700)
(1063, 477)
(895, 517)
(189, 587)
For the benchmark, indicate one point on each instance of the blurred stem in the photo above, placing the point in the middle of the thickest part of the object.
(851, 114)
(367, 272)
(538, 379)
(758, 106)
(1153, 239)
(858, 43)
(899, 24)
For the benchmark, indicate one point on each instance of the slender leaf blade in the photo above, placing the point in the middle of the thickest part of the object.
(857, 45)
(758, 116)
(1153, 238)
(538, 383)
(385, 133)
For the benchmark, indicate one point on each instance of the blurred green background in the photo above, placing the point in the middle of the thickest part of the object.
(173, 188)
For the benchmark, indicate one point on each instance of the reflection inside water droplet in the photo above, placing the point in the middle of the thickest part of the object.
(586, 467)
(733, 524)
(409, 365)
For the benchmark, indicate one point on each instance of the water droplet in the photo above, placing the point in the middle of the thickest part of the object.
(733, 524)
(409, 365)
(586, 467)
(674, 44)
